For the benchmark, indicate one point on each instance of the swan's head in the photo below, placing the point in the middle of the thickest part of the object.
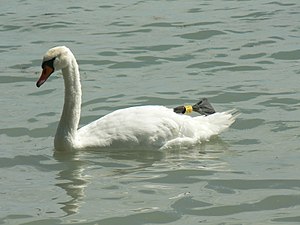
(56, 58)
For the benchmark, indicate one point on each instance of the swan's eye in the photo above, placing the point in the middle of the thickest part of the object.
(49, 63)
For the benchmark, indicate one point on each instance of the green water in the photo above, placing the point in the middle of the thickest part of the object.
(239, 54)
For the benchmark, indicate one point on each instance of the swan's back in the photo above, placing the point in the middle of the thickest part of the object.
(155, 126)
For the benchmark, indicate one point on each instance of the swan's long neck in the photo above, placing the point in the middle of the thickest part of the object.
(66, 131)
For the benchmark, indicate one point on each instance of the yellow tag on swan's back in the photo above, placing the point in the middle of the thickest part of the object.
(188, 109)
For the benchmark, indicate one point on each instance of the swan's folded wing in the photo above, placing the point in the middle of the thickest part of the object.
(145, 125)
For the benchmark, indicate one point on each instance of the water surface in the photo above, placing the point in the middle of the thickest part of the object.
(239, 54)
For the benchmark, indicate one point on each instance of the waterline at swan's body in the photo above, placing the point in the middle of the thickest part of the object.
(155, 126)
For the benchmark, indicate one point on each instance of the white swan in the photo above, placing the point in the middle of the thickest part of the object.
(156, 126)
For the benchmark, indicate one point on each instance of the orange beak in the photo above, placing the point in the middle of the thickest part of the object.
(47, 71)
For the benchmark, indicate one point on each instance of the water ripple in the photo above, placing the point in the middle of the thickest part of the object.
(287, 55)
(268, 203)
(202, 35)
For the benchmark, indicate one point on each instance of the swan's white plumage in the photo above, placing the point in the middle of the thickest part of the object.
(155, 126)
(152, 126)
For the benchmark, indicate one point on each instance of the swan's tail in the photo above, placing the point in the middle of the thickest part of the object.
(202, 128)
(203, 107)
(222, 120)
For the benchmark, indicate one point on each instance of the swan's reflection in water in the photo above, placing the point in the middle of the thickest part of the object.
(72, 177)
(72, 180)
(94, 166)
